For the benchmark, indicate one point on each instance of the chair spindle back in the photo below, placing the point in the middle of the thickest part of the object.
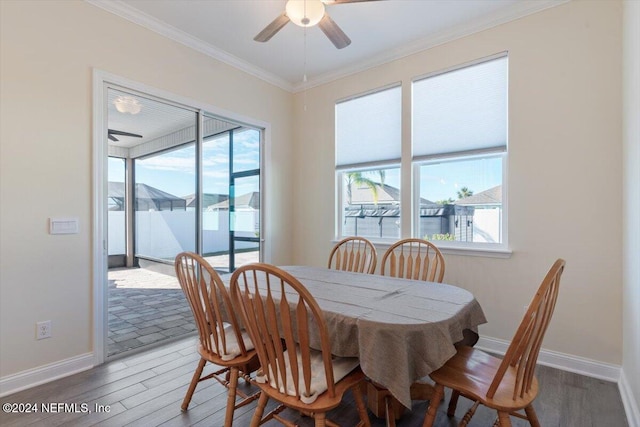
(525, 346)
(274, 304)
(210, 303)
(355, 254)
(415, 259)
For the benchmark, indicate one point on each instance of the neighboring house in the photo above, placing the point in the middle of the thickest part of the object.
(485, 223)
(243, 202)
(476, 218)
(378, 215)
(208, 199)
(147, 198)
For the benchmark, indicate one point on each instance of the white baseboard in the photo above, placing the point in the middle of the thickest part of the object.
(629, 402)
(44, 374)
(565, 362)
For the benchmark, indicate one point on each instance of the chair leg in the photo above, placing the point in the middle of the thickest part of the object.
(362, 409)
(531, 416)
(430, 416)
(194, 383)
(231, 396)
(504, 420)
(467, 417)
(320, 419)
(453, 403)
(257, 415)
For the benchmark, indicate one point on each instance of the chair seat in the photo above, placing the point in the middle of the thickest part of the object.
(471, 372)
(342, 366)
(233, 348)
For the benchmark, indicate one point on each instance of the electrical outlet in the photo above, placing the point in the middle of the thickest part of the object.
(43, 329)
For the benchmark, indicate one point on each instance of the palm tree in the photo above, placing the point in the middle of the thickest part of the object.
(464, 192)
(383, 175)
(358, 178)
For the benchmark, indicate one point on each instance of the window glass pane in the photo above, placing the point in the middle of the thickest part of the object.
(116, 207)
(246, 150)
(368, 128)
(464, 109)
(245, 220)
(461, 200)
(371, 203)
(215, 200)
(164, 225)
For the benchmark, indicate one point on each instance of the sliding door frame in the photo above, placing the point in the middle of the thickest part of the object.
(101, 82)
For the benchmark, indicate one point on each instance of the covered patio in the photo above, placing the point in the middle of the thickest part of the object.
(146, 305)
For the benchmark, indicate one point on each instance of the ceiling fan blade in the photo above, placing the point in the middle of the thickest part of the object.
(271, 29)
(119, 132)
(112, 138)
(333, 32)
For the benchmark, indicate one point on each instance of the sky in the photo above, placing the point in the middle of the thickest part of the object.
(174, 171)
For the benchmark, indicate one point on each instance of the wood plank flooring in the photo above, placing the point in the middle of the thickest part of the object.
(146, 389)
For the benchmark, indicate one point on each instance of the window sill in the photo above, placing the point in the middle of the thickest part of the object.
(475, 250)
(481, 252)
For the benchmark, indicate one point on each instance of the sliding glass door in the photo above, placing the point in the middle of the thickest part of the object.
(179, 180)
(231, 194)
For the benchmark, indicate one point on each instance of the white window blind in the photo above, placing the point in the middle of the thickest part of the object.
(461, 110)
(368, 129)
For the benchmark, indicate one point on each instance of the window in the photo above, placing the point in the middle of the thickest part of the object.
(459, 123)
(368, 146)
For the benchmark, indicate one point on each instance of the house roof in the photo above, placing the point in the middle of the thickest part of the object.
(143, 191)
(208, 199)
(492, 196)
(387, 194)
(251, 200)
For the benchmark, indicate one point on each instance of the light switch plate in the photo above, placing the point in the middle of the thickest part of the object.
(68, 225)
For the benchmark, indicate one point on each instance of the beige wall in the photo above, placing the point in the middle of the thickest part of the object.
(48, 51)
(565, 155)
(631, 156)
(564, 179)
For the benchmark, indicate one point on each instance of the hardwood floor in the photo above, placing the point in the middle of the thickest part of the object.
(147, 389)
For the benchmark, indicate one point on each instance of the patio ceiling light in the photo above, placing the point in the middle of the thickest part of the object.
(127, 104)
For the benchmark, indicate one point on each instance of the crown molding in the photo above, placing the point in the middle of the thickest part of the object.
(123, 10)
(518, 10)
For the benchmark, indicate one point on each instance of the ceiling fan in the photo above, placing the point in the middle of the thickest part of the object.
(111, 132)
(307, 13)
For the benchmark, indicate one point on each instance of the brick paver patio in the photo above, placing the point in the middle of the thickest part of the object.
(147, 307)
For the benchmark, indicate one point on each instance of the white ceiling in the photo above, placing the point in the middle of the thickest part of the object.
(380, 31)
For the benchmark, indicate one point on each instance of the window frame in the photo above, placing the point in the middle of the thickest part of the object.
(457, 247)
(501, 249)
(412, 177)
(363, 166)
(339, 176)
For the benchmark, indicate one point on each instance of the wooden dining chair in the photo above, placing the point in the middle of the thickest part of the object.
(415, 259)
(507, 385)
(221, 339)
(282, 318)
(355, 254)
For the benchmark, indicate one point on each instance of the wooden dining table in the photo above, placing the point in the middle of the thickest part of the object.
(400, 329)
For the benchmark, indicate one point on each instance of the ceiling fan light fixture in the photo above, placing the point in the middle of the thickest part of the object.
(127, 104)
(305, 13)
